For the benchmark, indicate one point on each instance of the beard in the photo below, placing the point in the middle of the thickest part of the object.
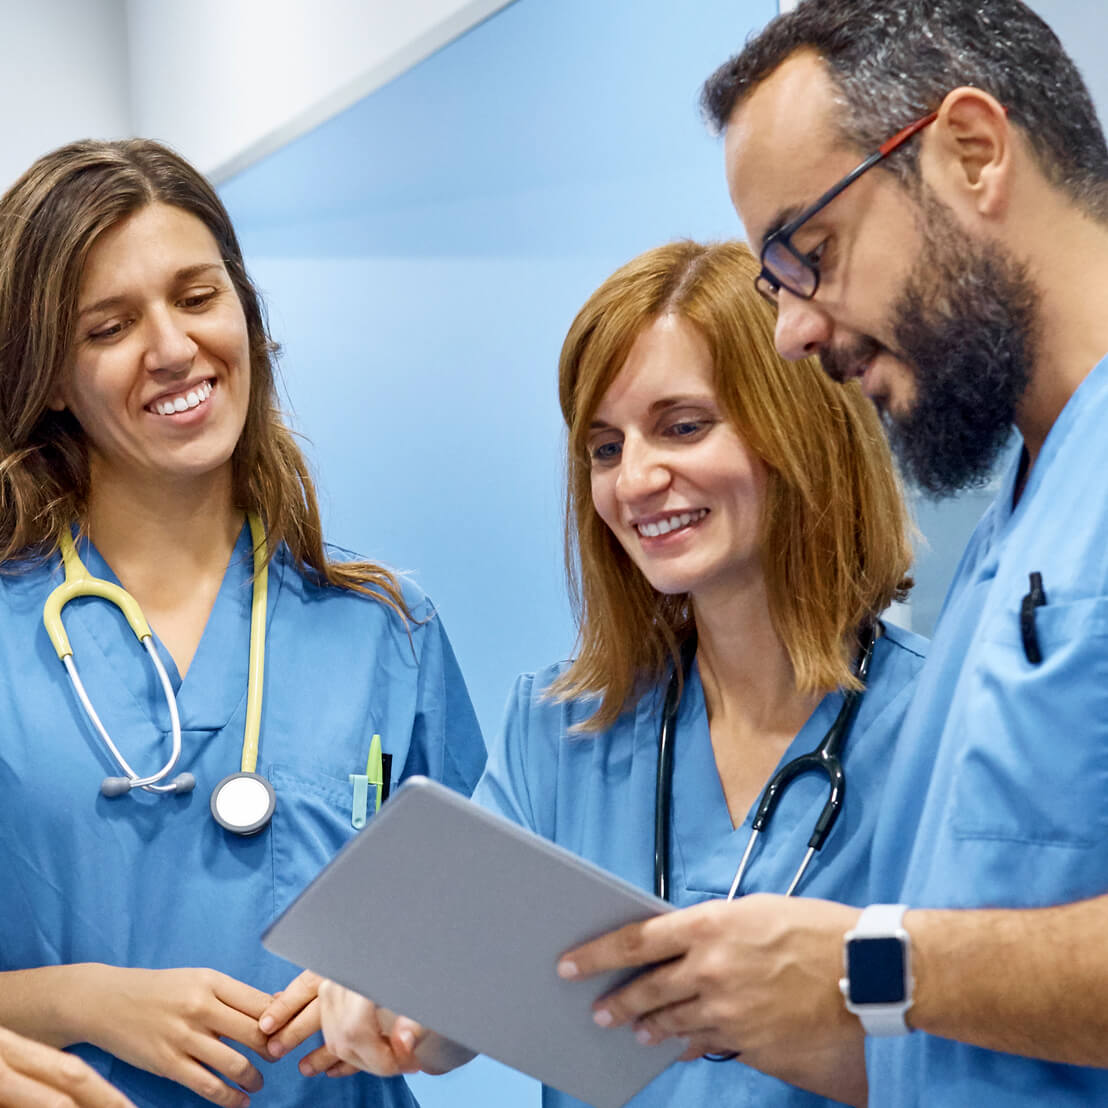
(966, 326)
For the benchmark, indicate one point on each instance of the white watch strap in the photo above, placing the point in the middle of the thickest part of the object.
(878, 920)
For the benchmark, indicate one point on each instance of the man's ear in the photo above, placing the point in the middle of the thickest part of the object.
(971, 151)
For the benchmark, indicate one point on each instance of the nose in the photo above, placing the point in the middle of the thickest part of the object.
(642, 471)
(803, 327)
(169, 346)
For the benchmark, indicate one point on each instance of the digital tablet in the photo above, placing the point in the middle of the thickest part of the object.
(444, 912)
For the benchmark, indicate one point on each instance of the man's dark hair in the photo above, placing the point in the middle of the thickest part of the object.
(894, 60)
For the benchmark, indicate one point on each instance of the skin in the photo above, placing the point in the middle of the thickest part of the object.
(158, 316)
(979, 166)
(37, 1076)
(662, 448)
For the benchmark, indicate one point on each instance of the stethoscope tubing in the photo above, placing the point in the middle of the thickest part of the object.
(79, 582)
(825, 759)
(134, 780)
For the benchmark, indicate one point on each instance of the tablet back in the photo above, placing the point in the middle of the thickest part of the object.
(456, 917)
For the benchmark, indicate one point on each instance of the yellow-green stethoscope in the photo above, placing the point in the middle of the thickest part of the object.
(242, 802)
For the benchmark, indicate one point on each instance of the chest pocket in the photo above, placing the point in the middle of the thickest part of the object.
(1033, 765)
(311, 823)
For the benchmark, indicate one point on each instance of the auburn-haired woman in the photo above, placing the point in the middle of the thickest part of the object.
(141, 444)
(734, 530)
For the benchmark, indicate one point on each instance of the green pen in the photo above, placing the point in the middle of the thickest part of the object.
(374, 775)
(375, 770)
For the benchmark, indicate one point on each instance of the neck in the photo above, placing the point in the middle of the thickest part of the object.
(744, 668)
(156, 538)
(1067, 256)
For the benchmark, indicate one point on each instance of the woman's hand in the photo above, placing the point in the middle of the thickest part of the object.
(365, 1036)
(173, 1022)
(32, 1075)
(290, 1017)
(381, 1042)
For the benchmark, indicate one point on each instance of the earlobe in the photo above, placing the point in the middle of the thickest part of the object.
(56, 401)
(975, 140)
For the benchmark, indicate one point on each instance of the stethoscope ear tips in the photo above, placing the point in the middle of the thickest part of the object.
(118, 786)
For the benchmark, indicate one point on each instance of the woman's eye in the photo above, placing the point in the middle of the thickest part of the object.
(197, 299)
(687, 428)
(604, 452)
(108, 332)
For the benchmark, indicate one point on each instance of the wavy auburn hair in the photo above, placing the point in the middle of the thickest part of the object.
(49, 220)
(835, 532)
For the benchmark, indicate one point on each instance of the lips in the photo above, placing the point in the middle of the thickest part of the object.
(663, 525)
(183, 400)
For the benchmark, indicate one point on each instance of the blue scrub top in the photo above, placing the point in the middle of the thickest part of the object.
(594, 794)
(152, 881)
(1003, 764)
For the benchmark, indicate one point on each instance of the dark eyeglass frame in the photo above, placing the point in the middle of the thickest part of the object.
(803, 280)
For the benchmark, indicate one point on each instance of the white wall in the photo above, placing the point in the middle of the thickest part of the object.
(63, 75)
(226, 83)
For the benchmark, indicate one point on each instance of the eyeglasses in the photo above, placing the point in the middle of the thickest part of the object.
(786, 267)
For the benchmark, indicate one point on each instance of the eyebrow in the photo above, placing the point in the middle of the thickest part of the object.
(186, 274)
(664, 405)
(781, 219)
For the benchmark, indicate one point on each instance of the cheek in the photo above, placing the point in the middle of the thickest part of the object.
(604, 498)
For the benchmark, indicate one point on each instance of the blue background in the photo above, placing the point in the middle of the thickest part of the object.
(423, 255)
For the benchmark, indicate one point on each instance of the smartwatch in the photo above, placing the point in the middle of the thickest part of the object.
(877, 962)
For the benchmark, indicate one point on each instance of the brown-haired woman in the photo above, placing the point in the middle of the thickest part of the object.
(734, 528)
(140, 433)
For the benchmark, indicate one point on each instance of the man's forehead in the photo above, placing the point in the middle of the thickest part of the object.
(777, 142)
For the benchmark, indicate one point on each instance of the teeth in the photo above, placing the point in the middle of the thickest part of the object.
(191, 399)
(664, 526)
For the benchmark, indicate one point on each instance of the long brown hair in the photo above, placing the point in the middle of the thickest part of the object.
(49, 220)
(835, 532)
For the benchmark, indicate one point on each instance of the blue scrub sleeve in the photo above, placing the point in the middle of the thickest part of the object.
(520, 779)
(447, 744)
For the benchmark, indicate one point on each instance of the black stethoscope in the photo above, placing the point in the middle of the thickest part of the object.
(826, 758)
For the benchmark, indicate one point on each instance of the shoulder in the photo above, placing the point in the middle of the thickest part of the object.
(358, 613)
(898, 660)
(27, 582)
(902, 642)
(536, 714)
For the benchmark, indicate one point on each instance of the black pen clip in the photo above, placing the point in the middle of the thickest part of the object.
(1035, 598)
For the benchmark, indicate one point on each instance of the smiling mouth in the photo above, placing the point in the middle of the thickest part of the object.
(671, 523)
(182, 401)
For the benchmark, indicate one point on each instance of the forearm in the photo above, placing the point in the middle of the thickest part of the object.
(838, 1072)
(50, 1003)
(1030, 981)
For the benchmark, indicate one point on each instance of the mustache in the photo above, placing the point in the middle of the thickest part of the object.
(842, 364)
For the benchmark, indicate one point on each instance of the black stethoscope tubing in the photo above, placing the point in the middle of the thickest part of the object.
(826, 759)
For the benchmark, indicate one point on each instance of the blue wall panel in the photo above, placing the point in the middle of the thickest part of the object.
(423, 255)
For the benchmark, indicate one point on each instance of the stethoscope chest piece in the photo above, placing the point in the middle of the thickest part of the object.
(243, 803)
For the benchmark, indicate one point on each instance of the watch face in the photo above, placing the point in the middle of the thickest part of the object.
(875, 969)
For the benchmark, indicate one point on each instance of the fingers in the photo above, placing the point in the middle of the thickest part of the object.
(206, 1084)
(638, 944)
(324, 1060)
(36, 1076)
(285, 1005)
(304, 1024)
(240, 996)
(353, 1033)
(650, 993)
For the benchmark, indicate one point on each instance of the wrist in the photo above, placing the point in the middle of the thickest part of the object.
(49, 1003)
(877, 983)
